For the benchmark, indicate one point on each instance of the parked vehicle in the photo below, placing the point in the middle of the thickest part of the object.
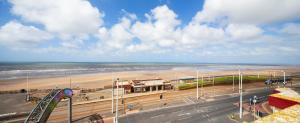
(277, 80)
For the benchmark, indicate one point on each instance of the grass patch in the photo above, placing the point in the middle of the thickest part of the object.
(222, 80)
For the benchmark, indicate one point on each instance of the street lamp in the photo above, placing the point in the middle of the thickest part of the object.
(284, 82)
(213, 85)
(117, 102)
(233, 83)
(254, 101)
(27, 86)
(202, 85)
(239, 81)
(197, 85)
(112, 94)
(241, 94)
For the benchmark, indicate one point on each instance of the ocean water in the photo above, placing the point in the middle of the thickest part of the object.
(19, 70)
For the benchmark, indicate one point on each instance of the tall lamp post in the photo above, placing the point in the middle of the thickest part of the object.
(233, 83)
(123, 97)
(70, 110)
(27, 86)
(239, 81)
(284, 82)
(241, 94)
(254, 101)
(112, 95)
(202, 85)
(197, 84)
(213, 85)
(117, 102)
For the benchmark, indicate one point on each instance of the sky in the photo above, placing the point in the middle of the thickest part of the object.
(197, 31)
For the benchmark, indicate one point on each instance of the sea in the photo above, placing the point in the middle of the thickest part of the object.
(20, 70)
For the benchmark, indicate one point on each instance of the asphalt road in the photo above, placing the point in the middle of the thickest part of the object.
(15, 104)
(199, 112)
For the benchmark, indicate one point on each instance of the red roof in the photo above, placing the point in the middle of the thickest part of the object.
(283, 98)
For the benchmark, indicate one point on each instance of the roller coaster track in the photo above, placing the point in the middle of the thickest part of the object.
(42, 111)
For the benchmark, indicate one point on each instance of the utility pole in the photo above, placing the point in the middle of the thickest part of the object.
(284, 77)
(239, 81)
(27, 88)
(254, 101)
(70, 109)
(241, 97)
(112, 94)
(197, 85)
(213, 85)
(70, 103)
(233, 83)
(284, 82)
(202, 86)
(117, 102)
(123, 89)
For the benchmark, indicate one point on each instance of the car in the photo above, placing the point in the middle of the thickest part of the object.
(278, 80)
(269, 81)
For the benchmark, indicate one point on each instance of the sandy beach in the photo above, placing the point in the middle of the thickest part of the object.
(99, 80)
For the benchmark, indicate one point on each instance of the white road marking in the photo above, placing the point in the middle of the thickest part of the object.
(191, 100)
(188, 100)
(184, 99)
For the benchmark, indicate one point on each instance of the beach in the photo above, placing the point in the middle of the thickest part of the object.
(99, 80)
(147, 100)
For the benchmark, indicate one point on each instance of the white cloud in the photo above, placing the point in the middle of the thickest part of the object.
(61, 16)
(17, 35)
(139, 47)
(243, 31)
(249, 11)
(220, 29)
(117, 37)
(200, 35)
(71, 20)
(160, 30)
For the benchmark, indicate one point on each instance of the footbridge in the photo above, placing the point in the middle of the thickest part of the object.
(43, 109)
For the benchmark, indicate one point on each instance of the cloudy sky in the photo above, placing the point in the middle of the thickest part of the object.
(210, 31)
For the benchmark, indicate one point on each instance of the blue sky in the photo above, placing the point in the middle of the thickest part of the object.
(212, 31)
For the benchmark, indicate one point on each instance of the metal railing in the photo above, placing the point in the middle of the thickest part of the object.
(36, 114)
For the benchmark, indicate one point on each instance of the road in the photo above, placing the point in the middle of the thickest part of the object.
(141, 103)
(202, 112)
